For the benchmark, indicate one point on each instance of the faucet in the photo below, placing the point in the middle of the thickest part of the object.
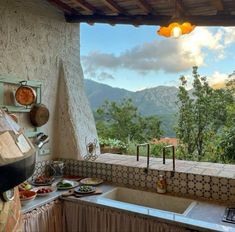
(148, 154)
(173, 155)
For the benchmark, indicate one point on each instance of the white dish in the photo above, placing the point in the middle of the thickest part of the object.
(52, 188)
(78, 190)
(75, 178)
(28, 199)
(72, 182)
(91, 181)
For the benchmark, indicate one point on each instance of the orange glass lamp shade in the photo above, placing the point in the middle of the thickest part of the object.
(176, 29)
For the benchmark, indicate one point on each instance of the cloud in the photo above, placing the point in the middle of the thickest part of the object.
(217, 78)
(229, 35)
(101, 76)
(105, 76)
(168, 55)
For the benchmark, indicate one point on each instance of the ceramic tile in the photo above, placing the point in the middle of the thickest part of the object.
(127, 171)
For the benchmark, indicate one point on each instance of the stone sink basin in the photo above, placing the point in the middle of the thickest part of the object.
(151, 200)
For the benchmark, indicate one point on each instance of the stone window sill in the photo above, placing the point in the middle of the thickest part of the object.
(192, 167)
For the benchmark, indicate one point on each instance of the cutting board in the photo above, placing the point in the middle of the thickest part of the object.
(72, 193)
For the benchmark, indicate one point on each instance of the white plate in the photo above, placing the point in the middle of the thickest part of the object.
(75, 178)
(77, 190)
(53, 188)
(91, 181)
(74, 184)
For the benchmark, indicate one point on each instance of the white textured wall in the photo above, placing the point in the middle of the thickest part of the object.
(36, 43)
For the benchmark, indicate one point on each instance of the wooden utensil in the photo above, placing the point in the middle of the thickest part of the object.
(69, 193)
(39, 115)
(25, 95)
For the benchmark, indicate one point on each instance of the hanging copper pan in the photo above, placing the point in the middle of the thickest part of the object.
(25, 95)
(39, 115)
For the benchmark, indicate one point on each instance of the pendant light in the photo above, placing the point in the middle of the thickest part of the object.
(176, 27)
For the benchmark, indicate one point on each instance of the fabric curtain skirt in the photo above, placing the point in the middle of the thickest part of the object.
(82, 217)
(47, 218)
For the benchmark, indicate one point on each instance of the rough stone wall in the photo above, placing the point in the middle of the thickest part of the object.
(37, 44)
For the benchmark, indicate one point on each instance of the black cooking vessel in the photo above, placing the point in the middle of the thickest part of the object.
(17, 172)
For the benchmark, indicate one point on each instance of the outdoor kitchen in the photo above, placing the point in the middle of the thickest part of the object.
(53, 176)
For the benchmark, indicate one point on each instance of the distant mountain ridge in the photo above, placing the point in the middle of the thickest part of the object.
(157, 100)
(160, 100)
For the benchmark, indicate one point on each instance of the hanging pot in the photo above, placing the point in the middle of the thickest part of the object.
(25, 95)
(39, 115)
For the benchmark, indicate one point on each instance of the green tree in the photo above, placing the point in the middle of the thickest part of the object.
(185, 121)
(227, 136)
(123, 122)
(148, 127)
(201, 116)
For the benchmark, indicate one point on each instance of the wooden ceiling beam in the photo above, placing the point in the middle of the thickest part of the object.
(85, 5)
(63, 7)
(180, 6)
(219, 6)
(145, 6)
(114, 7)
(212, 20)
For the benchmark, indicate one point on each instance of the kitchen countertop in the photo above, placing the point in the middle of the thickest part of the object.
(205, 216)
(39, 201)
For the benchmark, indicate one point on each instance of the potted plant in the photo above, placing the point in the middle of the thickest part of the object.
(112, 146)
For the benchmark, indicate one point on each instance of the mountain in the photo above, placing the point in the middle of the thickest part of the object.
(160, 100)
(97, 93)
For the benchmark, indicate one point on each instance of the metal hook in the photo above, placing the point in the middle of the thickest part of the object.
(23, 82)
(5, 109)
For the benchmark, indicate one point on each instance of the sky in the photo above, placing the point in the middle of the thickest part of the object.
(135, 58)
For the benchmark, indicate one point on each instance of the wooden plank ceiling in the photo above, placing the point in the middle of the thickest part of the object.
(148, 12)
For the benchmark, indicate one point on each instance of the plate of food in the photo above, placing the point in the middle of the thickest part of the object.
(27, 196)
(91, 181)
(43, 180)
(72, 177)
(66, 184)
(45, 190)
(84, 189)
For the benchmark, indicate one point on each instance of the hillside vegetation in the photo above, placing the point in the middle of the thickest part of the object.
(204, 125)
(159, 101)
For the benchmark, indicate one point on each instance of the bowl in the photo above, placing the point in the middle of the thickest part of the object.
(27, 196)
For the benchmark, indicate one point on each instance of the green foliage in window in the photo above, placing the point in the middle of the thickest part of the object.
(203, 119)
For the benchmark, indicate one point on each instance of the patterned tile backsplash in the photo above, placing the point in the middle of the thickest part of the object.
(41, 168)
(131, 174)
